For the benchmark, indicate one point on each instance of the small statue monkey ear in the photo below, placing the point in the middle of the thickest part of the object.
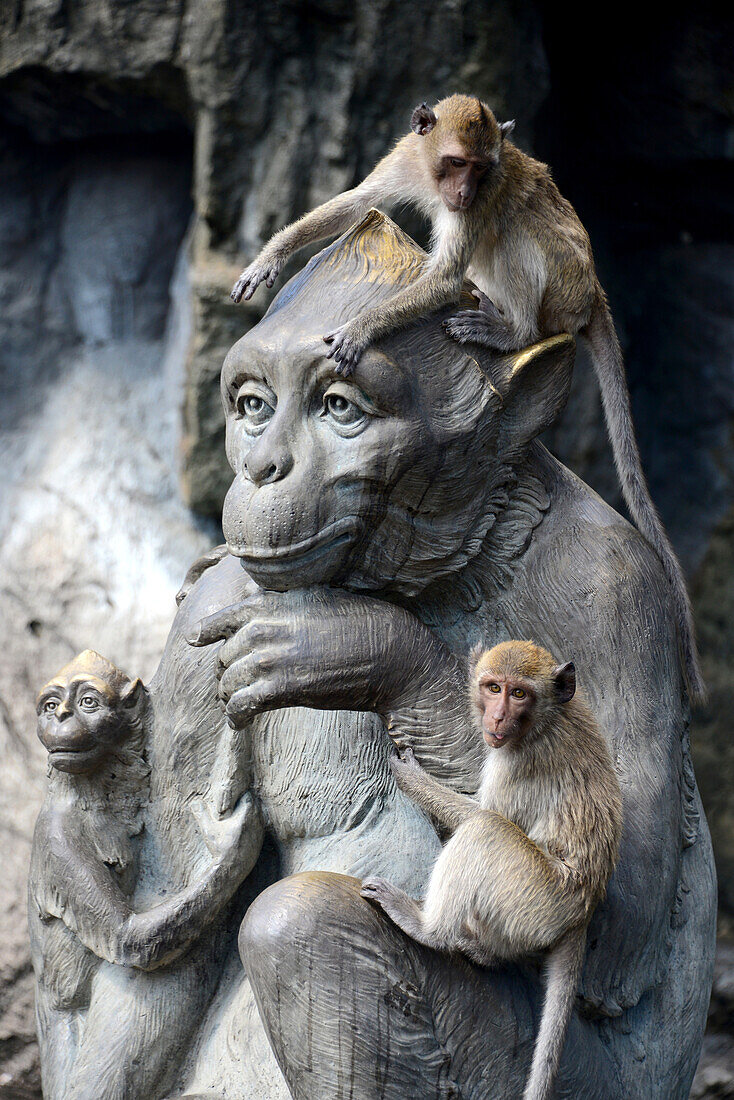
(506, 129)
(564, 678)
(423, 120)
(132, 693)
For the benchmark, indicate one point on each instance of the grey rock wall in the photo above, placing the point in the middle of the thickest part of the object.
(119, 120)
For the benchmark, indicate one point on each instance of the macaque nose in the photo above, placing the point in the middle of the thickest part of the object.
(265, 464)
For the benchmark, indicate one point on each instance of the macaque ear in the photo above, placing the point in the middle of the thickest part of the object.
(564, 678)
(534, 386)
(423, 120)
(131, 695)
(506, 129)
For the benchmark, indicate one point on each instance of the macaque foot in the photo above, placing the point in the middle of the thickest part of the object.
(392, 900)
(486, 326)
(258, 272)
(346, 348)
(404, 765)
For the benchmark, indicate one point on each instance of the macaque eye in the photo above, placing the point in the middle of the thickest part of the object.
(456, 162)
(253, 409)
(88, 702)
(494, 688)
(518, 693)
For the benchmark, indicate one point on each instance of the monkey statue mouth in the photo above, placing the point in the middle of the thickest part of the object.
(319, 558)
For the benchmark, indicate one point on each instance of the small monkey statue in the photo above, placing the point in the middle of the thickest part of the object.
(84, 870)
(498, 217)
(530, 859)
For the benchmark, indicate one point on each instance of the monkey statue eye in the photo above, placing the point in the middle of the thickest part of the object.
(519, 693)
(348, 414)
(50, 706)
(88, 702)
(253, 408)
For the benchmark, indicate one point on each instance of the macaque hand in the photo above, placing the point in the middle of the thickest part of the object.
(321, 648)
(404, 766)
(228, 836)
(346, 345)
(264, 269)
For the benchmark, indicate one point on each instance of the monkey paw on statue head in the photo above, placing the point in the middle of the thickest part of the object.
(90, 713)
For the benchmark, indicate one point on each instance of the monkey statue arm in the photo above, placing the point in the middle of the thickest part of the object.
(438, 800)
(85, 895)
(353, 653)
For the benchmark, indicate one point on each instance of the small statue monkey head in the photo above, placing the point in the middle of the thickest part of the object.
(462, 143)
(515, 686)
(87, 712)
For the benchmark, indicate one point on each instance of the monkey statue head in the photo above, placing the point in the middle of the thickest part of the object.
(361, 481)
(462, 143)
(89, 712)
(515, 686)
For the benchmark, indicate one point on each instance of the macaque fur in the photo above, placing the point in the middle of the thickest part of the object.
(530, 859)
(498, 217)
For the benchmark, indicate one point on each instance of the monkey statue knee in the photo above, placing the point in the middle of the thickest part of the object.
(531, 857)
(85, 864)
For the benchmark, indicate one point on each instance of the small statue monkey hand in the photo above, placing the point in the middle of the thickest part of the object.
(235, 839)
(323, 648)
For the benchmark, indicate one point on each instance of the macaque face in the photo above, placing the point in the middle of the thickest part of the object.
(320, 461)
(506, 706)
(459, 175)
(80, 720)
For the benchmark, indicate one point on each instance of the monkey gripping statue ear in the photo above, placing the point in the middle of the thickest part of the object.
(564, 678)
(423, 120)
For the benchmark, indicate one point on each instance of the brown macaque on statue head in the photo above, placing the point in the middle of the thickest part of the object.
(361, 482)
(89, 713)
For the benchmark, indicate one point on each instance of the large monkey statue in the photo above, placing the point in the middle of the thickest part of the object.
(377, 527)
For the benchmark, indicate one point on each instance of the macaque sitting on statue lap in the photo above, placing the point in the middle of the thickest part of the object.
(84, 870)
(530, 859)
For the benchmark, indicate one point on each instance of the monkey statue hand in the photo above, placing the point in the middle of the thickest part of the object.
(265, 269)
(346, 346)
(324, 648)
(486, 326)
(229, 839)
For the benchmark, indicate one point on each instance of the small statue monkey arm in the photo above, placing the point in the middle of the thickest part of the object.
(531, 858)
(90, 720)
(498, 216)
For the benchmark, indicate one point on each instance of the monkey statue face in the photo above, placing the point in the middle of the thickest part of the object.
(85, 712)
(358, 481)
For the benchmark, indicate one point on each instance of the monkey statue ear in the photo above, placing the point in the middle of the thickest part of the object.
(131, 695)
(506, 129)
(423, 120)
(564, 678)
(534, 386)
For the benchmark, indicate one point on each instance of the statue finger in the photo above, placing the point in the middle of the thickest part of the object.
(224, 623)
(252, 636)
(246, 703)
(247, 671)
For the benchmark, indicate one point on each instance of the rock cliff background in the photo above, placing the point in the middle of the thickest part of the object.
(148, 147)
